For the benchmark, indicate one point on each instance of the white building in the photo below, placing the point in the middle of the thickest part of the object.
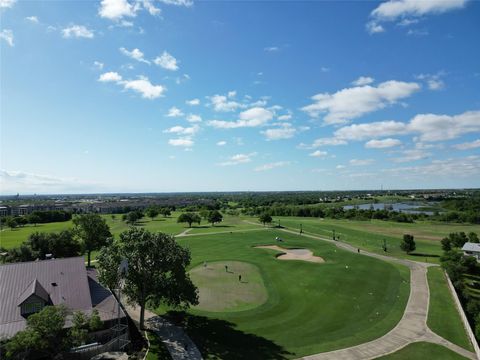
(472, 249)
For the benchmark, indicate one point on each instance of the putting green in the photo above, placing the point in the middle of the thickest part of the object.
(220, 289)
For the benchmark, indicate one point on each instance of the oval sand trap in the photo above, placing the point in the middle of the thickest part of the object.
(293, 254)
(221, 291)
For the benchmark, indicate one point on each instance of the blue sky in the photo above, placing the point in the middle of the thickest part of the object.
(176, 95)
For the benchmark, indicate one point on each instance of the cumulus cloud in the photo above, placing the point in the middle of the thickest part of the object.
(180, 130)
(382, 144)
(371, 130)
(222, 103)
(166, 61)
(221, 143)
(363, 80)
(351, 103)
(238, 159)
(285, 131)
(77, 31)
(361, 162)
(194, 118)
(318, 154)
(412, 155)
(183, 142)
(285, 117)
(32, 19)
(374, 27)
(5, 4)
(394, 9)
(186, 3)
(271, 166)
(434, 81)
(468, 145)
(134, 54)
(193, 102)
(254, 117)
(98, 65)
(110, 76)
(7, 35)
(175, 112)
(116, 9)
(271, 49)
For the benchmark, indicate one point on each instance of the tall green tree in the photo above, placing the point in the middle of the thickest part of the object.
(152, 212)
(408, 243)
(34, 219)
(190, 218)
(214, 216)
(92, 230)
(157, 269)
(265, 219)
(11, 223)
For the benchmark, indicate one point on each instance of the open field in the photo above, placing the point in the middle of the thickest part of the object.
(311, 307)
(443, 316)
(423, 351)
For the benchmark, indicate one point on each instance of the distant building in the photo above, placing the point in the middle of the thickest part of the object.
(472, 249)
(27, 287)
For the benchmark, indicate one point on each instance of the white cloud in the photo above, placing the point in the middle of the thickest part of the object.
(221, 143)
(417, 32)
(7, 35)
(393, 9)
(5, 4)
(319, 154)
(434, 127)
(232, 94)
(407, 22)
(116, 9)
(194, 118)
(468, 145)
(32, 19)
(441, 169)
(363, 80)
(166, 61)
(134, 54)
(238, 159)
(340, 167)
(285, 117)
(184, 142)
(193, 102)
(374, 28)
(371, 130)
(361, 162)
(434, 81)
(110, 76)
(77, 31)
(150, 7)
(143, 86)
(186, 3)
(98, 65)
(285, 131)
(175, 112)
(253, 117)
(412, 155)
(351, 103)
(271, 49)
(382, 144)
(271, 166)
(324, 142)
(180, 130)
(221, 103)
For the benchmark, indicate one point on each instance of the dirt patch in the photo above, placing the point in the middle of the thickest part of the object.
(293, 254)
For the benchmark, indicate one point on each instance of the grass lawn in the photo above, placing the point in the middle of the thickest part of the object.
(443, 316)
(310, 307)
(423, 351)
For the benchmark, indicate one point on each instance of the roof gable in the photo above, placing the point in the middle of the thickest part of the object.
(34, 288)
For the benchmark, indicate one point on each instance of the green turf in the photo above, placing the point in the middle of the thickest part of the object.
(310, 308)
(443, 316)
(423, 351)
(221, 289)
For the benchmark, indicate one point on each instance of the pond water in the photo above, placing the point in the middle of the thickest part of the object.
(402, 207)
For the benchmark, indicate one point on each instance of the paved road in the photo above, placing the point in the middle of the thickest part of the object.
(411, 328)
(178, 343)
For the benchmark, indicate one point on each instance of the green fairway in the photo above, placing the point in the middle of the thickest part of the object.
(443, 316)
(311, 307)
(423, 351)
(221, 288)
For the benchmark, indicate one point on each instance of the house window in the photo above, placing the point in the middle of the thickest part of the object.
(31, 308)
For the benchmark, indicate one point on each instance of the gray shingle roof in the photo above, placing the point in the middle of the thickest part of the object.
(63, 281)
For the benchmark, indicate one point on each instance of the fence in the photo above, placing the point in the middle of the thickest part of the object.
(87, 352)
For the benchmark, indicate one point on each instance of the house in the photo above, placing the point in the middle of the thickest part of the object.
(472, 249)
(27, 287)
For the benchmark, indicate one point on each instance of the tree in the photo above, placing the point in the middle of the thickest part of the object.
(93, 231)
(34, 219)
(214, 216)
(22, 221)
(165, 212)
(265, 218)
(473, 237)
(82, 325)
(408, 243)
(152, 212)
(190, 218)
(446, 244)
(11, 223)
(132, 218)
(156, 269)
(42, 336)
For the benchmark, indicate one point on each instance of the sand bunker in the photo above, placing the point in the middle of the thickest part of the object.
(293, 254)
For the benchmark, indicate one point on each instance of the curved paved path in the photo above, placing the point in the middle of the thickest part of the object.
(411, 328)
